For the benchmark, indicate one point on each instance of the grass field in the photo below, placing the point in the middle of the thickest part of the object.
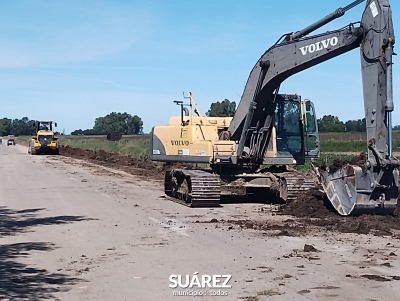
(351, 136)
(350, 146)
(136, 146)
(350, 142)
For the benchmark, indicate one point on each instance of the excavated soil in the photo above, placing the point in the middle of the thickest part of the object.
(310, 209)
(337, 164)
(287, 228)
(312, 204)
(139, 167)
(313, 208)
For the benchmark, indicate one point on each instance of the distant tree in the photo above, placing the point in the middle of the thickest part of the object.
(22, 127)
(355, 125)
(77, 132)
(330, 123)
(396, 128)
(87, 132)
(123, 123)
(292, 121)
(224, 108)
(17, 127)
(5, 126)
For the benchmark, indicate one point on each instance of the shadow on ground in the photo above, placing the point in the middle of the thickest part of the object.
(22, 282)
(13, 222)
(19, 281)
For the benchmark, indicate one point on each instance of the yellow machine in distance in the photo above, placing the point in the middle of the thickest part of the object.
(44, 141)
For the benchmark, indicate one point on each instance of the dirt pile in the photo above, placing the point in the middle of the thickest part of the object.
(140, 167)
(337, 164)
(311, 204)
(313, 208)
(288, 228)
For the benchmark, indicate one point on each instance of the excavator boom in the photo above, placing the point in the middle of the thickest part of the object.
(281, 129)
(255, 111)
(371, 184)
(296, 53)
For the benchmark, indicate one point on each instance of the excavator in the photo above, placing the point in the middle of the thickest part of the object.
(44, 141)
(278, 130)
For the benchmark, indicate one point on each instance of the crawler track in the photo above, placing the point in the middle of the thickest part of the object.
(297, 184)
(193, 188)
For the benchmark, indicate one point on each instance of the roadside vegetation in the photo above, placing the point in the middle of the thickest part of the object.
(333, 146)
(137, 146)
(349, 146)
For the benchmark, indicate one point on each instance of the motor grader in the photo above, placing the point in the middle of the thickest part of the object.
(270, 128)
(44, 141)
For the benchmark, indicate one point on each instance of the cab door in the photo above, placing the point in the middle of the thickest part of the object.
(311, 137)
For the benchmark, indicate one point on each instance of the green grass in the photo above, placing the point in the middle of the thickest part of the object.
(138, 147)
(349, 146)
(135, 146)
(342, 146)
(22, 138)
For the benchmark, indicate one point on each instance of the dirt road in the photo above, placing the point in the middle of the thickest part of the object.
(72, 230)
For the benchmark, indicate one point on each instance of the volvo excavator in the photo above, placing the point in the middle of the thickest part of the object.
(276, 129)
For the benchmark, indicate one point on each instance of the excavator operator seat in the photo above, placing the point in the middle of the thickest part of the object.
(289, 132)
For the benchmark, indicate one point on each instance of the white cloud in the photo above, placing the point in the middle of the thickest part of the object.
(92, 35)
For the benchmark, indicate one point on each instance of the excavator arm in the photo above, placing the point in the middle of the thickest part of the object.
(376, 53)
(252, 122)
(372, 184)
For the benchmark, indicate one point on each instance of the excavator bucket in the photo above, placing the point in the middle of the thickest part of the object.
(351, 190)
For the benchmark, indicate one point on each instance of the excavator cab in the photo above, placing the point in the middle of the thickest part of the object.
(289, 137)
(294, 133)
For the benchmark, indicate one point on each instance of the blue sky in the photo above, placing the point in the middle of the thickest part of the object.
(72, 61)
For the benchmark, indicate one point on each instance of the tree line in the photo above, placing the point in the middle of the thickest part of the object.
(128, 124)
(332, 124)
(122, 123)
(16, 127)
(326, 124)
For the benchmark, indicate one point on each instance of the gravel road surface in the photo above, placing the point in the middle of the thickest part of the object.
(73, 230)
